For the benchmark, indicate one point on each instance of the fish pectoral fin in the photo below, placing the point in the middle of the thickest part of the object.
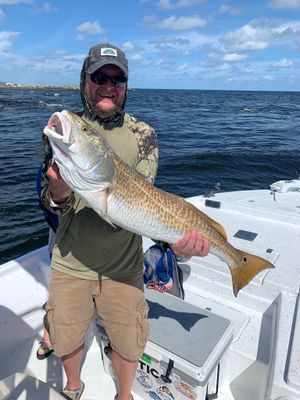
(104, 207)
(249, 267)
(107, 220)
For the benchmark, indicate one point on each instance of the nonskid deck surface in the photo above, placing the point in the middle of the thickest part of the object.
(263, 357)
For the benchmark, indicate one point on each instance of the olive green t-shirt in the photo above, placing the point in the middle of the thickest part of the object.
(87, 246)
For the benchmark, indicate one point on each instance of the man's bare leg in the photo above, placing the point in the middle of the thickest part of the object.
(125, 371)
(72, 366)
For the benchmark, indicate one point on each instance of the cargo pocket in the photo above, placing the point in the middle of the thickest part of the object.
(49, 309)
(143, 329)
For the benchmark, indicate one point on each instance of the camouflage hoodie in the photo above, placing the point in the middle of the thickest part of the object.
(86, 246)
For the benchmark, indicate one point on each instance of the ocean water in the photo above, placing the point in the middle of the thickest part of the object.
(240, 140)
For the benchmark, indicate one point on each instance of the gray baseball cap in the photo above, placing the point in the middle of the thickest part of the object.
(103, 54)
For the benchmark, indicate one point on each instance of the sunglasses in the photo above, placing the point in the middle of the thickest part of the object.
(100, 78)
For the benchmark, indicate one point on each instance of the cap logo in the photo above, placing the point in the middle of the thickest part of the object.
(108, 51)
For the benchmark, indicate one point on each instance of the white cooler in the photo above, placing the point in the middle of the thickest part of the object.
(184, 356)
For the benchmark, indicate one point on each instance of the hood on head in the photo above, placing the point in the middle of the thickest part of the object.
(98, 56)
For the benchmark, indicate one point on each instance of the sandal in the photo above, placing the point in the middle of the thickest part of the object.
(44, 352)
(73, 394)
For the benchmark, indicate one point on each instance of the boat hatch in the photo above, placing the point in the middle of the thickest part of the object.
(212, 203)
(245, 235)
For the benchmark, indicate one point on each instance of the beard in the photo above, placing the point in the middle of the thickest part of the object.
(105, 114)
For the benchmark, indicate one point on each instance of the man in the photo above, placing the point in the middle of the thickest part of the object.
(95, 266)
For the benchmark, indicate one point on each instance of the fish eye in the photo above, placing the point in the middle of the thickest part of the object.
(85, 129)
(245, 259)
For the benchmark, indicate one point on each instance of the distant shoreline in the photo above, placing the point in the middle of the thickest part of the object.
(53, 87)
(66, 87)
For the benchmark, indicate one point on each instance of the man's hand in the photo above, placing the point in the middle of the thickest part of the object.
(191, 244)
(59, 190)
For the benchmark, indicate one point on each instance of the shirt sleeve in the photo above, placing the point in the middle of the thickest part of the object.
(148, 163)
(148, 148)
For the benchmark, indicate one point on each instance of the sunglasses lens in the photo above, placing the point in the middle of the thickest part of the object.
(101, 79)
(120, 79)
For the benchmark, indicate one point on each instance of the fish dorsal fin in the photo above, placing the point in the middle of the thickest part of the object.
(218, 227)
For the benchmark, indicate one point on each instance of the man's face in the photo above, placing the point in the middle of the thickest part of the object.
(105, 98)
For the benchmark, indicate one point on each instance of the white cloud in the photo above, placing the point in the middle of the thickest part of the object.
(226, 9)
(48, 7)
(128, 46)
(168, 5)
(90, 28)
(223, 67)
(167, 50)
(175, 23)
(160, 63)
(183, 67)
(2, 15)
(57, 63)
(285, 4)
(137, 57)
(268, 78)
(234, 57)
(168, 65)
(258, 35)
(284, 63)
(15, 1)
(184, 43)
(45, 7)
(247, 38)
(172, 45)
(7, 39)
(288, 33)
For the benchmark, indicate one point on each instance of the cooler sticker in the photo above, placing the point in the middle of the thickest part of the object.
(154, 395)
(143, 379)
(185, 389)
(165, 392)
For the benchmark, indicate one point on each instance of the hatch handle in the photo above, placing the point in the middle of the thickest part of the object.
(211, 396)
(165, 377)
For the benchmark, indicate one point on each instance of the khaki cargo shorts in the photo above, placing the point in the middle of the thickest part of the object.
(120, 304)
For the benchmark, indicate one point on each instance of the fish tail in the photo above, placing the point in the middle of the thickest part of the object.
(246, 269)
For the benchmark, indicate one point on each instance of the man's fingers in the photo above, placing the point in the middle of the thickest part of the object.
(192, 244)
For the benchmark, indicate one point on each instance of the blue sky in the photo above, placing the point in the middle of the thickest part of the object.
(170, 44)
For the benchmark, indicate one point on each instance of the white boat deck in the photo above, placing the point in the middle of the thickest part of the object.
(263, 360)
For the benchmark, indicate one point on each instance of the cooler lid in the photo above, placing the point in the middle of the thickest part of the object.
(183, 329)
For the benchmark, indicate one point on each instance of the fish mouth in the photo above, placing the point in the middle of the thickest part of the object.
(60, 128)
(55, 124)
(59, 131)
